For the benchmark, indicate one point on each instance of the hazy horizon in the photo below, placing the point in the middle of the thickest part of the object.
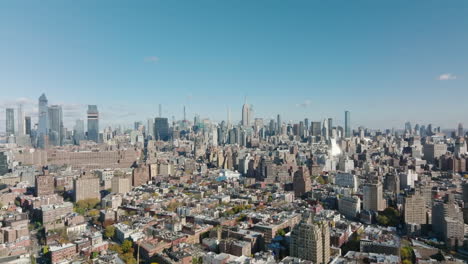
(385, 62)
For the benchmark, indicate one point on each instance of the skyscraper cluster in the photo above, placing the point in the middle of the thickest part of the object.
(50, 130)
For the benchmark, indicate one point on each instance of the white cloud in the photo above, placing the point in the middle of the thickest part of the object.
(152, 59)
(304, 104)
(446, 77)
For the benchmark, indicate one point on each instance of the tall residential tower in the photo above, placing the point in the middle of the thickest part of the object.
(43, 127)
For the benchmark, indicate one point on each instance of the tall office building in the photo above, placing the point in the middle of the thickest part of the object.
(78, 132)
(246, 115)
(316, 128)
(347, 124)
(161, 129)
(43, 127)
(93, 123)
(433, 151)
(330, 127)
(278, 124)
(20, 118)
(150, 128)
(461, 132)
(408, 128)
(55, 125)
(325, 129)
(10, 121)
(3, 163)
(27, 125)
(373, 197)
(311, 241)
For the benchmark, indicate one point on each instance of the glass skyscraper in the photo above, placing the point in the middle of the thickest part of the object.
(27, 125)
(93, 123)
(43, 127)
(78, 132)
(161, 128)
(10, 121)
(56, 133)
(347, 124)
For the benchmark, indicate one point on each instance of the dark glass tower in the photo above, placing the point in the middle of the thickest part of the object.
(93, 123)
(161, 129)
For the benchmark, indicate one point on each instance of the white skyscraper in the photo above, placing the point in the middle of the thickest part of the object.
(150, 128)
(325, 129)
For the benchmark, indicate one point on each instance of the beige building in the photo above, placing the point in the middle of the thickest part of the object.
(349, 206)
(86, 188)
(44, 185)
(121, 185)
(415, 209)
(311, 241)
(373, 197)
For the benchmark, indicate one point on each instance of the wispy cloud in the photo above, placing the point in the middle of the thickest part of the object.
(304, 104)
(446, 77)
(152, 59)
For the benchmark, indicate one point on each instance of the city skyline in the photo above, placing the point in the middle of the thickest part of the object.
(78, 112)
(318, 55)
(233, 132)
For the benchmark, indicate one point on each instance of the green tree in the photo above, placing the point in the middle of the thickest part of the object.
(110, 231)
(389, 217)
(116, 248)
(382, 220)
(129, 258)
(406, 252)
(93, 213)
(281, 232)
(45, 250)
(94, 255)
(241, 218)
(321, 180)
(197, 260)
(127, 246)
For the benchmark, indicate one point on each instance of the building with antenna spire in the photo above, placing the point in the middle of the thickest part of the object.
(228, 118)
(245, 114)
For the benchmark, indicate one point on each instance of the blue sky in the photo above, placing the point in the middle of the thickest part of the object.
(385, 61)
